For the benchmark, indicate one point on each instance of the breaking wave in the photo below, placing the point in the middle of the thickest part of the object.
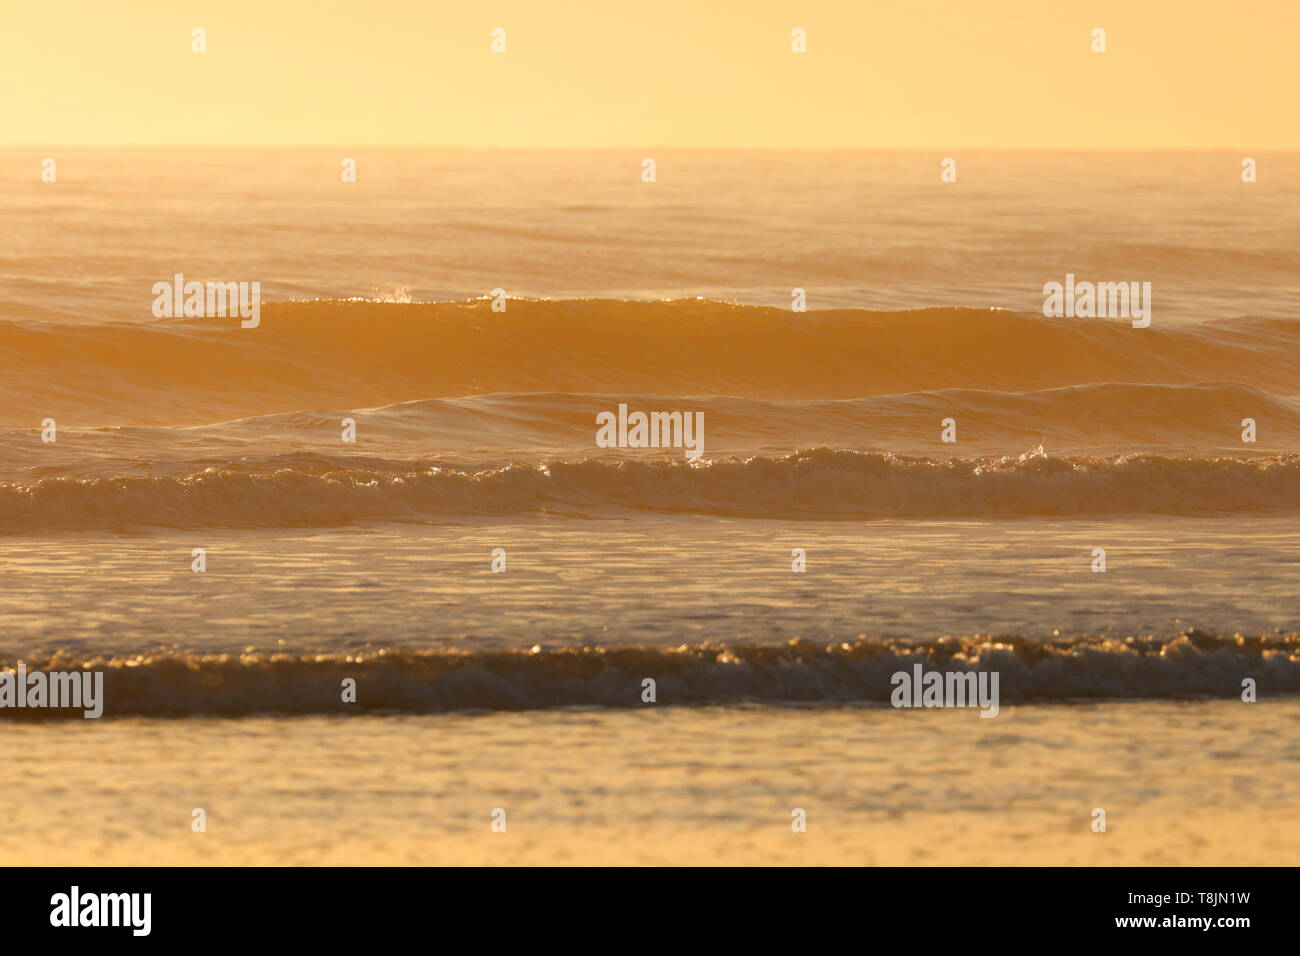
(1188, 665)
(304, 491)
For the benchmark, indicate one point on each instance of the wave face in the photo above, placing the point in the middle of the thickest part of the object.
(1189, 665)
(819, 483)
(322, 355)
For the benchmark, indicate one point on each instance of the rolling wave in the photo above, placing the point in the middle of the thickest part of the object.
(333, 354)
(1188, 665)
(818, 483)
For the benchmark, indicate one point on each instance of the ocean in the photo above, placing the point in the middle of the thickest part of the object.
(394, 478)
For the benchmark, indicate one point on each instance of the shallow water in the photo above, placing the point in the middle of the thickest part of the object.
(1210, 783)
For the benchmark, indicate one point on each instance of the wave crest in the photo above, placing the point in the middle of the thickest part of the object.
(818, 483)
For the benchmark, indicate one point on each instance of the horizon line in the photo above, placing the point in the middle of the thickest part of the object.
(659, 146)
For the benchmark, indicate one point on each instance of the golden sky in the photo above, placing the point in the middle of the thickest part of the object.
(944, 74)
